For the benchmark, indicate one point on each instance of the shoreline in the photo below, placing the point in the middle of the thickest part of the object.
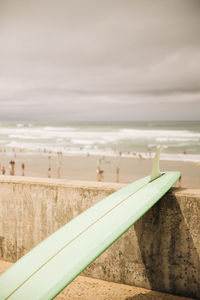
(164, 156)
(84, 167)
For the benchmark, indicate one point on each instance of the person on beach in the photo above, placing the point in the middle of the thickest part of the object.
(3, 170)
(23, 167)
(49, 168)
(98, 171)
(12, 167)
(59, 163)
(58, 170)
(117, 174)
(100, 174)
(140, 156)
(49, 172)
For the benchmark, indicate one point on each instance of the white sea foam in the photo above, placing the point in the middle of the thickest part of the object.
(114, 135)
(102, 140)
(167, 134)
(19, 125)
(33, 147)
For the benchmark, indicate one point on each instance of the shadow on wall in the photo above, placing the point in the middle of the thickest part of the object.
(175, 269)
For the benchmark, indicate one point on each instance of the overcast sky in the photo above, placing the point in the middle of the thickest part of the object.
(69, 60)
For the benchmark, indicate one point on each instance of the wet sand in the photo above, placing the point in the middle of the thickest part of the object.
(85, 288)
(84, 168)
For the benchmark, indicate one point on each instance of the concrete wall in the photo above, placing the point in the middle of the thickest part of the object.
(161, 251)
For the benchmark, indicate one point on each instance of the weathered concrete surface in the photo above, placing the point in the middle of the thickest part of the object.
(32, 208)
(161, 252)
(86, 288)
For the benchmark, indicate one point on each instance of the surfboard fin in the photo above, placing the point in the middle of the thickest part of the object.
(155, 173)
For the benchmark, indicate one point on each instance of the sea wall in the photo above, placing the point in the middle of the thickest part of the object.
(161, 251)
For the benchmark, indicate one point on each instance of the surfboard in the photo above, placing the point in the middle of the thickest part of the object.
(49, 267)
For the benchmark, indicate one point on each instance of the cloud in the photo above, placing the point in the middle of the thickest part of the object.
(86, 54)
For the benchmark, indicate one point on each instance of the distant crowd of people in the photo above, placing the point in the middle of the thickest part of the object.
(59, 156)
(12, 169)
(12, 164)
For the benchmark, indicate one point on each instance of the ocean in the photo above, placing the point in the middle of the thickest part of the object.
(180, 140)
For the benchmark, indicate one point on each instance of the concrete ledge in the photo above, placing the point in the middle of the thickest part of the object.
(60, 182)
(160, 252)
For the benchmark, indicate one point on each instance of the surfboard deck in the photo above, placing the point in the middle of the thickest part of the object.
(49, 267)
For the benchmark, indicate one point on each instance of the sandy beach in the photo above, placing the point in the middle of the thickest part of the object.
(86, 288)
(84, 167)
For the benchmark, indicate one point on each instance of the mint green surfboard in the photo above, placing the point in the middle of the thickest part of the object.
(49, 267)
